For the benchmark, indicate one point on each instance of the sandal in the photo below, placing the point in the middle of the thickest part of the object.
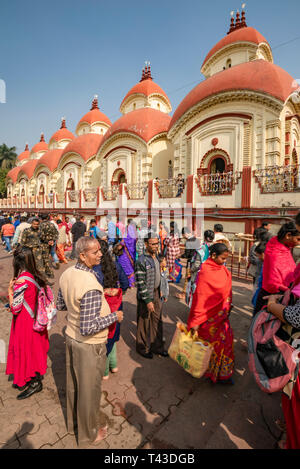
(114, 370)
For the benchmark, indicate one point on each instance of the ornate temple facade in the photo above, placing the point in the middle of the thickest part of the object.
(235, 138)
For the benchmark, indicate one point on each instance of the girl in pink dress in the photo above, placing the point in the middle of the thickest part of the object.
(27, 351)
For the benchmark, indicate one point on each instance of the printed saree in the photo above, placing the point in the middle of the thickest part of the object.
(210, 310)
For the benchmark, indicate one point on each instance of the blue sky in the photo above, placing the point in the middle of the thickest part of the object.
(56, 55)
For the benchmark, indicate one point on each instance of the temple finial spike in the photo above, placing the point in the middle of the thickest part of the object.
(232, 26)
(95, 102)
(243, 19)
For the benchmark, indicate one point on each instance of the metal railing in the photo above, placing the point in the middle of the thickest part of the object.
(278, 179)
(219, 183)
(137, 191)
(90, 195)
(110, 193)
(238, 265)
(169, 188)
(73, 196)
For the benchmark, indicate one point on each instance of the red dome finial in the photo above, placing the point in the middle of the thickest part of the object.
(95, 103)
(237, 20)
(146, 75)
(243, 21)
(143, 75)
(63, 123)
(232, 26)
(26, 147)
(42, 137)
(149, 72)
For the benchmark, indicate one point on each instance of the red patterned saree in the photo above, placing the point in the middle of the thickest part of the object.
(210, 310)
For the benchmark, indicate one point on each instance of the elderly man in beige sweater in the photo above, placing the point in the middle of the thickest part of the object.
(88, 319)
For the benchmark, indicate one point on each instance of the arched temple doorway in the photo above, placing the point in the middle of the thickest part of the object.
(70, 185)
(119, 177)
(217, 165)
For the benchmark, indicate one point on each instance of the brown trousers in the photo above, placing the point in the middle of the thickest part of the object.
(149, 327)
(85, 365)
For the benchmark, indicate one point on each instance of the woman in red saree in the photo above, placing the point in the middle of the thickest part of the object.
(209, 314)
(27, 350)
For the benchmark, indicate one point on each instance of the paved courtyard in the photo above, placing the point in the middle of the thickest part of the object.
(149, 404)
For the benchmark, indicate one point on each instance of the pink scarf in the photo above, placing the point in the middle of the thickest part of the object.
(296, 288)
(279, 267)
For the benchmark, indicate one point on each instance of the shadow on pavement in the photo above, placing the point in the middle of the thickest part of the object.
(22, 433)
(57, 355)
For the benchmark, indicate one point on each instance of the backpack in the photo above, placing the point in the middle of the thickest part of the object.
(273, 357)
(46, 310)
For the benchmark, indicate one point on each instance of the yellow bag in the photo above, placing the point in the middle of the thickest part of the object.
(190, 352)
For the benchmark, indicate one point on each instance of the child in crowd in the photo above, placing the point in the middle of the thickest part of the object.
(164, 284)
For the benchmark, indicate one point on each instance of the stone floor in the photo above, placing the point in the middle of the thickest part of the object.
(150, 404)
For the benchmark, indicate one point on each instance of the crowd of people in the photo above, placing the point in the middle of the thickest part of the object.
(110, 261)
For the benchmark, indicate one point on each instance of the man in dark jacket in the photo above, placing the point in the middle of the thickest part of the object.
(149, 305)
(78, 230)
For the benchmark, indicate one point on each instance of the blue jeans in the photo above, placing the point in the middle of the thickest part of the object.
(7, 240)
(53, 253)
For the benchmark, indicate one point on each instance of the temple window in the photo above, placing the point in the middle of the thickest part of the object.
(217, 165)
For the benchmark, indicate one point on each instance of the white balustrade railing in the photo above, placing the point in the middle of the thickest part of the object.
(90, 195)
(73, 196)
(169, 188)
(219, 183)
(278, 179)
(137, 191)
(110, 193)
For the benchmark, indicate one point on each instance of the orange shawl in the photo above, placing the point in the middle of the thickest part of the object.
(213, 293)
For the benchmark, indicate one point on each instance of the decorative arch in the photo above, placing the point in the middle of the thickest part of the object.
(70, 185)
(118, 177)
(210, 157)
